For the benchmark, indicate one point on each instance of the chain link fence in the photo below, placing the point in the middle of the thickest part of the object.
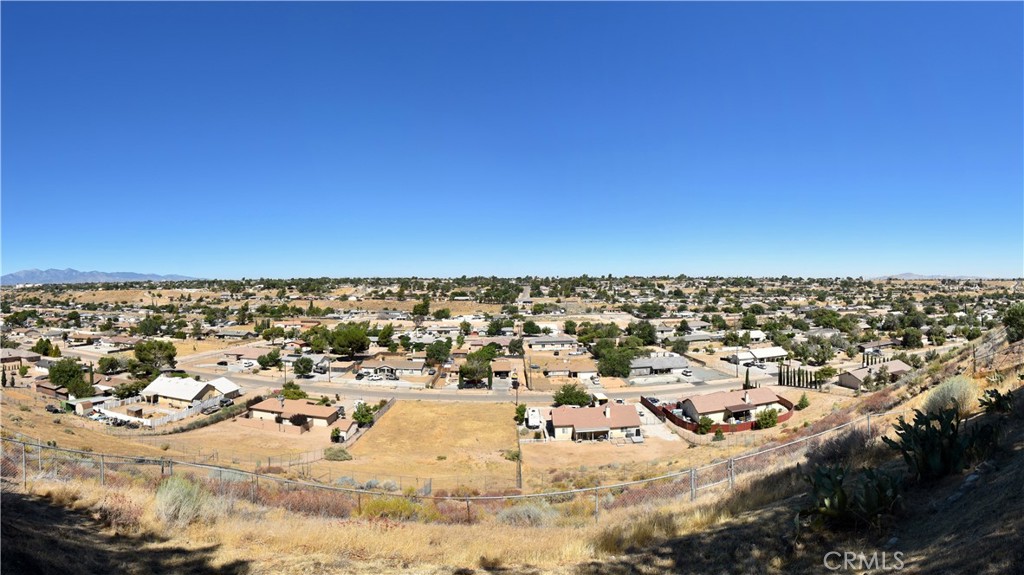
(23, 462)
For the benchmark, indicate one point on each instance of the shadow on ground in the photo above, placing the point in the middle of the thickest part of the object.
(39, 538)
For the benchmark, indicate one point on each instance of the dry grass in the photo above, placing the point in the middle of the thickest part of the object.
(435, 439)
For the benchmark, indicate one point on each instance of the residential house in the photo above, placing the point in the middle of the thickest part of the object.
(234, 333)
(226, 387)
(398, 367)
(178, 392)
(672, 364)
(582, 368)
(17, 357)
(730, 406)
(609, 421)
(854, 379)
(878, 345)
(270, 409)
(774, 353)
(551, 343)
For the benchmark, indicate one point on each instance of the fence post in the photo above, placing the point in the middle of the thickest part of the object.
(103, 479)
(693, 484)
(732, 474)
(359, 502)
(469, 516)
(24, 476)
(252, 489)
(597, 505)
(869, 425)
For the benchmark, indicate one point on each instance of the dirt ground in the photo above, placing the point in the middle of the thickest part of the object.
(193, 347)
(435, 439)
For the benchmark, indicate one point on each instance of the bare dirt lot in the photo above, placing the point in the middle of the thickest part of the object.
(441, 440)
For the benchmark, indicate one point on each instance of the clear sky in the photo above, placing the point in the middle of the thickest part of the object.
(280, 140)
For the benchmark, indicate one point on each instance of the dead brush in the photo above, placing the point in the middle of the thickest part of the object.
(119, 512)
(638, 533)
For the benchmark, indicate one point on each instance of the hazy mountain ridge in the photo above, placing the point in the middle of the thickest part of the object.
(70, 276)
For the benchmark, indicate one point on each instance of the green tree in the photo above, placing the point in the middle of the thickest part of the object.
(530, 327)
(767, 418)
(23, 370)
(615, 362)
(443, 313)
(386, 335)
(303, 366)
(465, 328)
(520, 416)
(422, 308)
(912, 338)
(43, 347)
(3, 379)
(438, 352)
(291, 390)
(803, 404)
(704, 425)
(1013, 319)
(515, 347)
(67, 373)
(269, 359)
(569, 327)
(749, 321)
(363, 415)
(643, 330)
(494, 327)
(680, 346)
(197, 329)
(571, 394)
(154, 355)
(350, 339)
(109, 364)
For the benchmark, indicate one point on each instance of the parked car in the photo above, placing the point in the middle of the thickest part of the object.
(210, 410)
(375, 377)
(226, 401)
(248, 364)
(432, 372)
(360, 375)
(391, 377)
(687, 372)
(222, 362)
(132, 425)
(52, 409)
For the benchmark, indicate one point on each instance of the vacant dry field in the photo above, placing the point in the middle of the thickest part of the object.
(193, 347)
(435, 439)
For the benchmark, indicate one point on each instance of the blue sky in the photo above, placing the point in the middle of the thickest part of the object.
(264, 139)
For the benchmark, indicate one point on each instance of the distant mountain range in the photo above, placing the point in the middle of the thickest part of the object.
(70, 276)
(924, 277)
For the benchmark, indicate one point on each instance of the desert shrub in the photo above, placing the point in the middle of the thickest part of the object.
(511, 454)
(389, 486)
(488, 563)
(253, 400)
(767, 419)
(119, 512)
(636, 534)
(313, 502)
(704, 425)
(839, 449)
(453, 511)
(269, 469)
(226, 413)
(719, 436)
(398, 508)
(879, 401)
(371, 484)
(875, 496)
(834, 419)
(345, 482)
(531, 514)
(957, 392)
(932, 445)
(803, 404)
(181, 502)
(298, 420)
(337, 454)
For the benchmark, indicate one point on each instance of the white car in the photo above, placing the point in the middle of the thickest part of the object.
(375, 377)
(687, 372)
